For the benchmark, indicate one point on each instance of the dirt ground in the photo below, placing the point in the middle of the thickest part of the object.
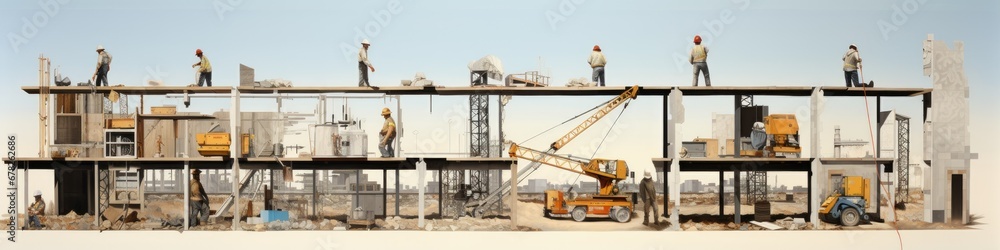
(697, 212)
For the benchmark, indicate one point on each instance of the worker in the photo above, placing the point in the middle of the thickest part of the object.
(198, 203)
(205, 71)
(597, 62)
(698, 55)
(36, 210)
(852, 63)
(103, 66)
(387, 135)
(364, 65)
(647, 193)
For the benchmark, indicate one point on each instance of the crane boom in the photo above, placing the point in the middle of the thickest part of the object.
(479, 208)
(590, 121)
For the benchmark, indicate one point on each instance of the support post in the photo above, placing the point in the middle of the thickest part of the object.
(421, 174)
(513, 196)
(315, 194)
(737, 152)
(27, 202)
(385, 194)
(665, 152)
(676, 123)
(815, 152)
(722, 194)
(234, 155)
(441, 192)
(187, 176)
(97, 194)
(397, 191)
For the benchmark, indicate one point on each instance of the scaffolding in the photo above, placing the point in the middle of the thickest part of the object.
(903, 159)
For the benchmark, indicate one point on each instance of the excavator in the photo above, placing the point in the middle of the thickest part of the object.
(609, 201)
(548, 157)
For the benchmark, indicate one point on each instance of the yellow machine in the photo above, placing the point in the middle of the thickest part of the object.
(217, 144)
(777, 136)
(608, 201)
(846, 206)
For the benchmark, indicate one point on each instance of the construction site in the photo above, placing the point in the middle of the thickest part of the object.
(122, 165)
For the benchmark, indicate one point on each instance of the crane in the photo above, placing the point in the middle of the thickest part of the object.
(608, 201)
(479, 208)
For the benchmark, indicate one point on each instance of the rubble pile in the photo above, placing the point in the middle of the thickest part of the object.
(460, 224)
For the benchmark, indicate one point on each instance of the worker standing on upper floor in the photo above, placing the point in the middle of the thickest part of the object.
(364, 65)
(387, 135)
(597, 62)
(852, 63)
(198, 203)
(36, 210)
(206, 69)
(698, 56)
(647, 193)
(103, 66)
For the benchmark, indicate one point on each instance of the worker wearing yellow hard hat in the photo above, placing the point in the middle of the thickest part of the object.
(387, 135)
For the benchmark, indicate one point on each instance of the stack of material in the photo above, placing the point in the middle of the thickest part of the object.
(418, 80)
(580, 82)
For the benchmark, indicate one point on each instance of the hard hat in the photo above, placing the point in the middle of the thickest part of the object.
(697, 39)
(385, 111)
(197, 52)
(365, 42)
(195, 171)
(758, 126)
(648, 174)
(100, 47)
(38, 192)
(853, 46)
(597, 48)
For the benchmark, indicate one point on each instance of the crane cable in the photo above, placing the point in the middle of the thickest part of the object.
(605, 136)
(566, 121)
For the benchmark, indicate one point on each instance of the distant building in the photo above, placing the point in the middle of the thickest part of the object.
(432, 187)
(799, 189)
(588, 187)
(537, 185)
(691, 186)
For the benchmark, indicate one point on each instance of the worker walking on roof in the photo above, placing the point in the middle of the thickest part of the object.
(103, 66)
(647, 193)
(597, 62)
(198, 203)
(852, 63)
(36, 210)
(206, 69)
(364, 65)
(387, 135)
(698, 55)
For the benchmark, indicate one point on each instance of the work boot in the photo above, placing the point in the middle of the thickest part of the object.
(645, 222)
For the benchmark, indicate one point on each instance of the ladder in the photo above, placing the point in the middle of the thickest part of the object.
(229, 201)
(480, 207)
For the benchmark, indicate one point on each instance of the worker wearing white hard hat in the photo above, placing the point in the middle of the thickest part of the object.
(36, 210)
(387, 135)
(364, 65)
(103, 66)
(647, 194)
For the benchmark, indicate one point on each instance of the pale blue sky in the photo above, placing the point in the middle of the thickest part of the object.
(784, 43)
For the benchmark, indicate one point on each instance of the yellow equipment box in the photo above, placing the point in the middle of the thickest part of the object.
(164, 110)
(213, 144)
(121, 123)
